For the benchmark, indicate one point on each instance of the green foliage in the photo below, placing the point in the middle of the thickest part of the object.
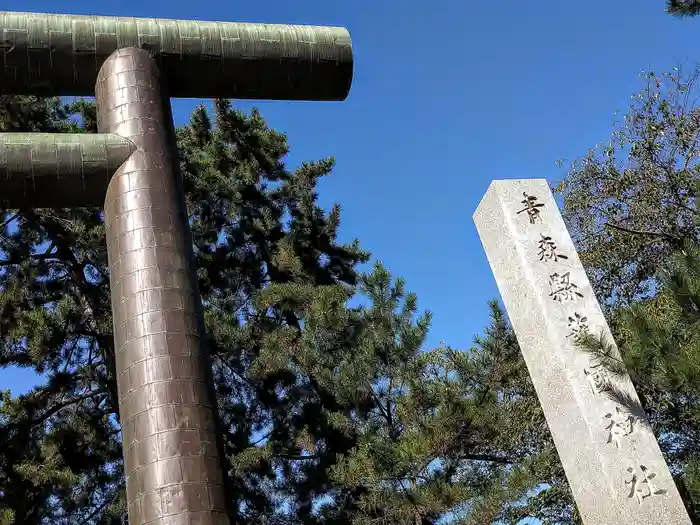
(534, 484)
(660, 342)
(445, 434)
(683, 8)
(631, 208)
(630, 203)
(332, 413)
(261, 242)
(661, 339)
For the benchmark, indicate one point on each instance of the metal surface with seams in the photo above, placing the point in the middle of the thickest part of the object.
(173, 452)
(55, 54)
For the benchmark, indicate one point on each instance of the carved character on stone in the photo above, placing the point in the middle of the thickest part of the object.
(618, 426)
(578, 325)
(598, 379)
(642, 485)
(567, 344)
(548, 249)
(532, 208)
(561, 288)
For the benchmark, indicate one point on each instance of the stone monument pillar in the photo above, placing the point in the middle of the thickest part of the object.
(611, 458)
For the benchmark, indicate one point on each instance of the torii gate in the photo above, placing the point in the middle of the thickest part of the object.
(172, 445)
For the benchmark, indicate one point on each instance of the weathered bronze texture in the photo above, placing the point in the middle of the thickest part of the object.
(59, 170)
(172, 448)
(55, 54)
(172, 462)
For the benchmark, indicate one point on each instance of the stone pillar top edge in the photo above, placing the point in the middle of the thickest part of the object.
(497, 184)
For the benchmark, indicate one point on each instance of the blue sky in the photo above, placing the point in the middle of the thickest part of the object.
(448, 95)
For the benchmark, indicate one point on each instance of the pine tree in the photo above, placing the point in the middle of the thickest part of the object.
(442, 434)
(683, 8)
(532, 485)
(38, 480)
(661, 339)
(332, 413)
(255, 224)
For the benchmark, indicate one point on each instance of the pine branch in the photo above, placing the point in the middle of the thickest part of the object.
(640, 232)
(96, 511)
(295, 457)
(9, 220)
(490, 458)
(57, 408)
(683, 8)
(48, 255)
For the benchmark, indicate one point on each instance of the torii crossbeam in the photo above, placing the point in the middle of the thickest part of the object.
(172, 446)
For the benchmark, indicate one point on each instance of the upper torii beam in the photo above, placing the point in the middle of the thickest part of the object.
(55, 54)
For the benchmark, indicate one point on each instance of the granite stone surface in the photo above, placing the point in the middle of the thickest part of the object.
(610, 455)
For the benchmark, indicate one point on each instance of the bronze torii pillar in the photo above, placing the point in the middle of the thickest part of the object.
(172, 447)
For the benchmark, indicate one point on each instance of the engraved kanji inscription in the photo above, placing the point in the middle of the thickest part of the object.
(548, 249)
(532, 208)
(578, 325)
(642, 485)
(561, 288)
(598, 378)
(618, 426)
(577, 367)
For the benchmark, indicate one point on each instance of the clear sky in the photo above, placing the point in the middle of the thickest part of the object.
(448, 95)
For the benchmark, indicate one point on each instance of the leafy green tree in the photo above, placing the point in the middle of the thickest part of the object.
(268, 262)
(660, 346)
(661, 339)
(631, 206)
(630, 203)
